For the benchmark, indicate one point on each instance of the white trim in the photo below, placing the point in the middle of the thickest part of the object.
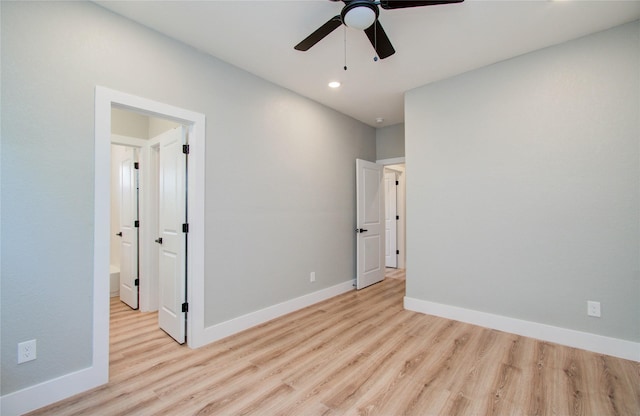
(591, 342)
(48, 392)
(392, 161)
(235, 325)
(51, 391)
(146, 303)
(148, 230)
(195, 214)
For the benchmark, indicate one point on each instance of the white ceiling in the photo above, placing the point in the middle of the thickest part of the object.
(431, 43)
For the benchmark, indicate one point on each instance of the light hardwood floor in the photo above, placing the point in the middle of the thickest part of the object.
(357, 353)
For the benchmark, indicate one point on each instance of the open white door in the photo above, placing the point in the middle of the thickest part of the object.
(172, 216)
(390, 219)
(370, 223)
(128, 228)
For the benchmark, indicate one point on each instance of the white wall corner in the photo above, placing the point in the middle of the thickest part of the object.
(591, 342)
(235, 325)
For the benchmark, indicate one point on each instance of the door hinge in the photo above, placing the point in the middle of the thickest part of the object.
(136, 165)
(136, 223)
(397, 251)
(397, 183)
(397, 217)
(185, 307)
(185, 228)
(185, 149)
(136, 282)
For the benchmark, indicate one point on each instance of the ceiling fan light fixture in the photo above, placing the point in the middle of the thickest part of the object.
(360, 14)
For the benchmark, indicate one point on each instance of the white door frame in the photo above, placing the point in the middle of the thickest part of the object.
(391, 215)
(105, 99)
(401, 208)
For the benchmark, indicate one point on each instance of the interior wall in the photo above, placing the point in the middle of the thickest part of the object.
(523, 199)
(390, 142)
(130, 124)
(280, 177)
(157, 126)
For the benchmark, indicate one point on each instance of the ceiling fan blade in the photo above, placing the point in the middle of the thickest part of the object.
(400, 4)
(379, 40)
(333, 23)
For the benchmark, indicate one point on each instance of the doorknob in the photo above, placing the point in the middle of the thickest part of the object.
(119, 234)
(159, 240)
(361, 230)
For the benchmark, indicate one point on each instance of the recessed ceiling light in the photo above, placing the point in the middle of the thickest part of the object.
(379, 120)
(334, 84)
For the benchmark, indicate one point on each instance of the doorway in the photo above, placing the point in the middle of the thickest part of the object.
(396, 169)
(152, 272)
(380, 222)
(195, 122)
(124, 267)
(136, 138)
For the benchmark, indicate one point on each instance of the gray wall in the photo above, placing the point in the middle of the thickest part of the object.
(280, 176)
(390, 142)
(523, 198)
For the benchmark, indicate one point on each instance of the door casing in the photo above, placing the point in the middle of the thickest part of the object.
(105, 99)
(390, 212)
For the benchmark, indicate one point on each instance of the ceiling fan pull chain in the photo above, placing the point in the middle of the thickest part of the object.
(375, 40)
(345, 47)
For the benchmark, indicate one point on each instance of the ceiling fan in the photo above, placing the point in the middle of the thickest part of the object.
(363, 15)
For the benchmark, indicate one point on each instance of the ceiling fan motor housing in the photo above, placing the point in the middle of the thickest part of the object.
(360, 14)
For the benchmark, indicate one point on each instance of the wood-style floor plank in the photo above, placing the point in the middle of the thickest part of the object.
(359, 353)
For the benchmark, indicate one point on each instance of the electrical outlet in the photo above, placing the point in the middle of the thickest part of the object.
(312, 277)
(593, 308)
(26, 351)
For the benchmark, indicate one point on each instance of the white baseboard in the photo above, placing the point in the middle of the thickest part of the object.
(48, 392)
(235, 325)
(591, 342)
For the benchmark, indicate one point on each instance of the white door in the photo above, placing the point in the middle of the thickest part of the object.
(172, 216)
(128, 195)
(390, 209)
(370, 223)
